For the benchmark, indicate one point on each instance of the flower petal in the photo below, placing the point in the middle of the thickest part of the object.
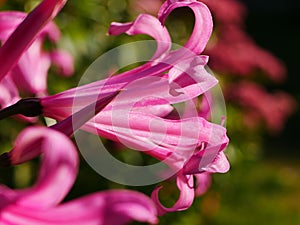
(148, 94)
(190, 76)
(203, 22)
(203, 182)
(115, 207)
(30, 74)
(58, 168)
(9, 20)
(8, 92)
(186, 198)
(63, 61)
(145, 24)
(208, 160)
(26, 32)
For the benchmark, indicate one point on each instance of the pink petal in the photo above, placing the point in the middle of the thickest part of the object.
(8, 92)
(172, 140)
(186, 198)
(122, 121)
(63, 61)
(210, 157)
(190, 76)
(76, 120)
(145, 24)
(207, 160)
(219, 165)
(7, 197)
(58, 168)
(203, 182)
(8, 22)
(26, 32)
(203, 22)
(148, 94)
(38, 205)
(30, 74)
(115, 207)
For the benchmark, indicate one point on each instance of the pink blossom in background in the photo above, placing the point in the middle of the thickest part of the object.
(259, 105)
(26, 63)
(31, 71)
(233, 51)
(26, 32)
(41, 203)
(145, 6)
(227, 11)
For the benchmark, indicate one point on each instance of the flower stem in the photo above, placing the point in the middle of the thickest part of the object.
(30, 107)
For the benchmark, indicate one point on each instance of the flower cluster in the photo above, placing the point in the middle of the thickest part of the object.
(135, 108)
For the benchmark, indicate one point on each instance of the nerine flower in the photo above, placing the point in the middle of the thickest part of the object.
(189, 145)
(41, 203)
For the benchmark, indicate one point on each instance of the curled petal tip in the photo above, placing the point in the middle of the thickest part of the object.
(203, 22)
(185, 200)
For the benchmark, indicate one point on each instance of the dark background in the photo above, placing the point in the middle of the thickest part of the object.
(275, 25)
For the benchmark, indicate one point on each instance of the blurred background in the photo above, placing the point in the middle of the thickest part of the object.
(275, 25)
(254, 53)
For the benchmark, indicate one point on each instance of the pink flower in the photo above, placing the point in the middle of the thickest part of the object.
(173, 141)
(24, 62)
(30, 72)
(41, 203)
(24, 35)
(227, 12)
(136, 118)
